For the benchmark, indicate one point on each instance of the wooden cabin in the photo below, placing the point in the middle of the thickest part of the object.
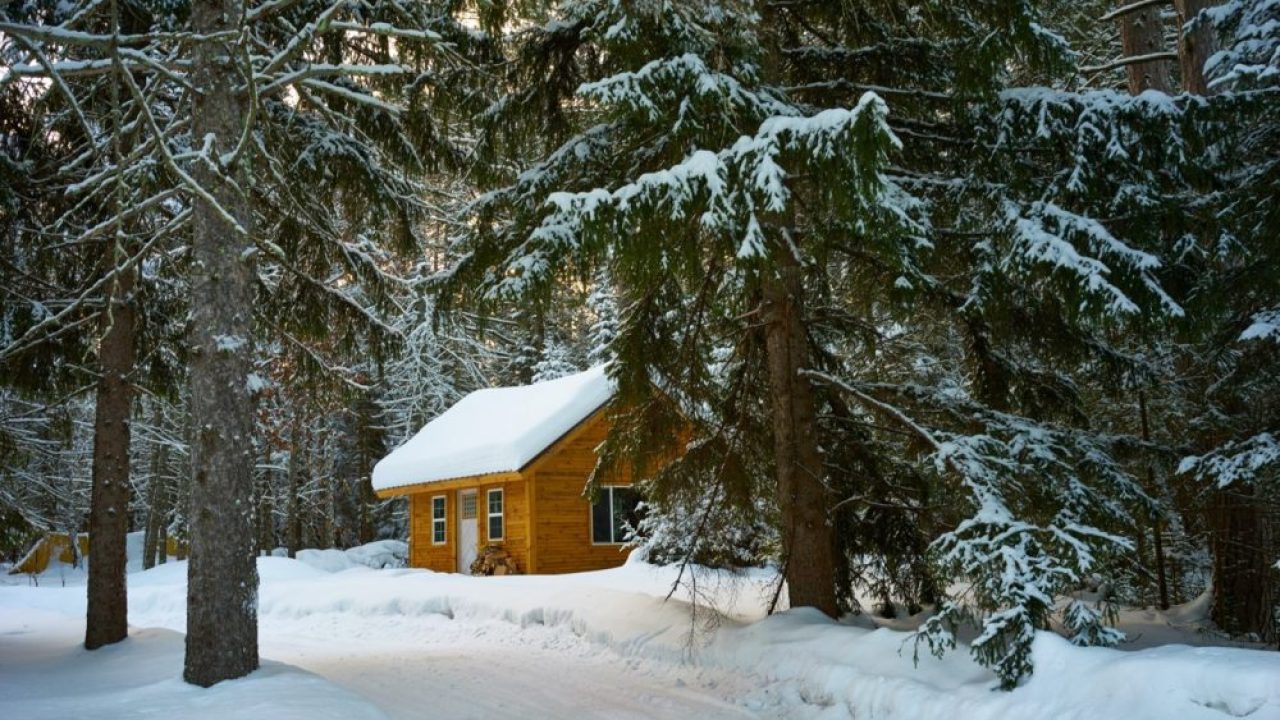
(506, 467)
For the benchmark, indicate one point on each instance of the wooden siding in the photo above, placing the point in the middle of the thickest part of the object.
(515, 510)
(423, 552)
(547, 520)
(562, 535)
(444, 558)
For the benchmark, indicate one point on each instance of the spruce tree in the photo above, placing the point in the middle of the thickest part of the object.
(787, 197)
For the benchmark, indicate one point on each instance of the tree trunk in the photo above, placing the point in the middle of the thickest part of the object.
(331, 511)
(1244, 590)
(162, 555)
(366, 436)
(1162, 580)
(222, 577)
(266, 512)
(1195, 47)
(293, 523)
(1142, 33)
(107, 616)
(367, 502)
(153, 547)
(808, 538)
(1162, 584)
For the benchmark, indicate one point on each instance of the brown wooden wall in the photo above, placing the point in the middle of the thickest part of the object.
(516, 511)
(444, 558)
(548, 521)
(562, 540)
(422, 553)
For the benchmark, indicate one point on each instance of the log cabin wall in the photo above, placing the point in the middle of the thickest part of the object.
(423, 552)
(515, 539)
(444, 557)
(547, 521)
(562, 517)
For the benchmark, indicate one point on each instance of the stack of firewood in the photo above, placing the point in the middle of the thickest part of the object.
(494, 560)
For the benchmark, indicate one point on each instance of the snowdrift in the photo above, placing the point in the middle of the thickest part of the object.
(794, 664)
(832, 669)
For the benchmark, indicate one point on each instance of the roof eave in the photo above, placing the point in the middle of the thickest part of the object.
(445, 484)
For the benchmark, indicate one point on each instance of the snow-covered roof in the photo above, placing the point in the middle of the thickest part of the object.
(495, 430)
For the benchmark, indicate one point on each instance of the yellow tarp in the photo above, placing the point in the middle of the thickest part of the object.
(54, 544)
(58, 544)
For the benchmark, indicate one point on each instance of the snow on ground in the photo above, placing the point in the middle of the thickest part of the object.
(46, 673)
(591, 645)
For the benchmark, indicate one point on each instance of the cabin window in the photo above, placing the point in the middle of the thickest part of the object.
(438, 528)
(495, 515)
(616, 510)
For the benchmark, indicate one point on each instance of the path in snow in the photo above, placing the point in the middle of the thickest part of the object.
(495, 670)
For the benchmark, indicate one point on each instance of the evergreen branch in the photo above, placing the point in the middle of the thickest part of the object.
(298, 43)
(1133, 8)
(33, 337)
(386, 30)
(1131, 60)
(57, 79)
(267, 9)
(341, 373)
(61, 36)
(355, 97)
(324, 70)
(189, 182)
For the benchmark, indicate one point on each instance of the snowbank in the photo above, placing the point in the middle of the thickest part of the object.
(495, 430)
(793, 664)
(800, 657)
(378, 555)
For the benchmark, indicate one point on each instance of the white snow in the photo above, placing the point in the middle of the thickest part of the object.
(590, 645)
(229, 343)
(495, 430)
(377, 555)
(45, 672)
(1265, 325)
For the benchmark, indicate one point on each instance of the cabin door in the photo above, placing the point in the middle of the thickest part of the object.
(468, 528)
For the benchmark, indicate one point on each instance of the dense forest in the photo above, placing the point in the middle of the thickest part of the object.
(966, 306)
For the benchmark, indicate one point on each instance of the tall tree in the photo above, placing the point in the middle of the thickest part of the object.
(222, 578)
(107, 611)
(365, 150)
(1233, 357)
(787, 197)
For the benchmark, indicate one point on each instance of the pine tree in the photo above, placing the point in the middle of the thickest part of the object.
(603, 305)
(771, 221)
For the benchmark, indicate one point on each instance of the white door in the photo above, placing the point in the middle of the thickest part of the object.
(468, 539)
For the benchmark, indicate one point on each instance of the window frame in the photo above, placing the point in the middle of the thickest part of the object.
(463, 496)
(443, 519)
(607, 490)
(500, 515)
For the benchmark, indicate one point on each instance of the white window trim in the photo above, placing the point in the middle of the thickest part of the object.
(490, 515)
(443, 520)
(592, 516)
